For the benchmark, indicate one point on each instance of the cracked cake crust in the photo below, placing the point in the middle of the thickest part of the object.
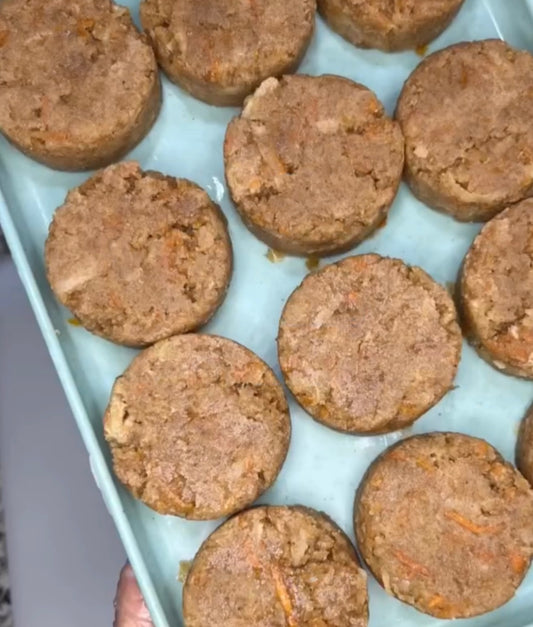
(198, 427)
(139, 256)
(496, 291)
(221, 51)
(444, 524)
(276, 567)
(369, 344)
(389, 25)
(313, 163)
(466, 116)
(79, 85)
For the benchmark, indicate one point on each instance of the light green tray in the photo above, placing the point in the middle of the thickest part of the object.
(323, 467)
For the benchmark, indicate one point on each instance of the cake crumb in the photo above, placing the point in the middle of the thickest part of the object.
(185, 567)
(275, 256)
(313, 263)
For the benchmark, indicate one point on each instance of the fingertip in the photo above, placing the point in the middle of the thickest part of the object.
(130, 608)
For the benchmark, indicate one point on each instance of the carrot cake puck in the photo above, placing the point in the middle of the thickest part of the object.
(276, 567)
(198, 427)
(466, 116)
(445, 524)
(524, 452)
(221, 51)
(496, 290)
(313, 163)
(139, 256)
(369, 344)
(78, 83)
(387, 24)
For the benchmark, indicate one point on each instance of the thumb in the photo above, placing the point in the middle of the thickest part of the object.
(130, 608)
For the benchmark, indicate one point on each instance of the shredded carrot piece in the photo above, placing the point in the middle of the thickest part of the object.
(84, 26)
(417, 568)
(243, 373)
(251, 555)
(436, 601)
(46, 108)
(397, 455)
(513, 348)
(447, 612)
(482, 448)
(281, 589)
(114, 299)
(214, 71)
(53, 137)
(471, 526)
(323, 412)
(255, 185)
(498, 471)
(510, 493)
(284, 597)
(352, 298)
(277, 165)
(442, 608)
(518, 563)
(3, 37)
(74, 322)
(373, 107)
(464, 77)
(424, 463)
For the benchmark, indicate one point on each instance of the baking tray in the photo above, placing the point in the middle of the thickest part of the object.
(323, 467)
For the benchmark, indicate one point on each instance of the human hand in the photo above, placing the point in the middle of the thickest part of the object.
(130, 609)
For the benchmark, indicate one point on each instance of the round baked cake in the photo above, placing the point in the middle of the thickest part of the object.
(221, 51)
(369, 344)
(276, 567)
(388, 24)
(313, 163)
(198, 427)
(138, 256)
(496, 291)
(79, 85)
(466, 116)
(445, 524)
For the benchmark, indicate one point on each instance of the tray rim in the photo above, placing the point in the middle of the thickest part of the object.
(99, 468)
